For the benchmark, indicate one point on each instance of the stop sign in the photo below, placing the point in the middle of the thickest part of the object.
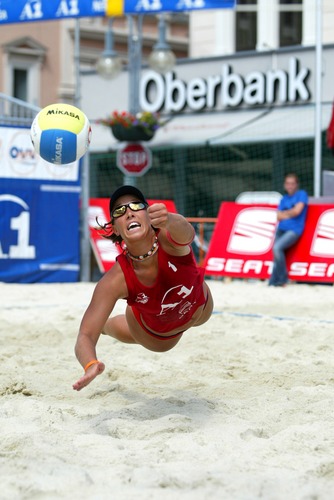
(134, 159)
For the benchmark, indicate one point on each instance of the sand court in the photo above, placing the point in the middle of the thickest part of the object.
(241, 408)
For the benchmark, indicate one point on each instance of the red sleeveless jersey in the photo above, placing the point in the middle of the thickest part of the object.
(175, 295)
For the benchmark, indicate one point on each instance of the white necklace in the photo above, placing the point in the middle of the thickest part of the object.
(145, 256)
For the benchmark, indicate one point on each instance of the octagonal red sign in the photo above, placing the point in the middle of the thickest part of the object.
(134, 159)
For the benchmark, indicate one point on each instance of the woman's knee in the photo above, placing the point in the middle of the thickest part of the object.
(118, 328)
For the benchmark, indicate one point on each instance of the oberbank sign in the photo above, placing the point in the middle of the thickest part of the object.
(225, 89)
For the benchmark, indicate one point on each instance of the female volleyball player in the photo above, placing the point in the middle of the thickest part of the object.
(156, 274)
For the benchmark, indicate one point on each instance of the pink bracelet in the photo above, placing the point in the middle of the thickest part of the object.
(169, 237)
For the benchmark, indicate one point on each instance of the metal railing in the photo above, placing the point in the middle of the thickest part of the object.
(199, 223)
(16, 112)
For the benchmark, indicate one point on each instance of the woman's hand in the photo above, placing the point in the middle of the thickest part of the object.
(92, 372)
(158, 215)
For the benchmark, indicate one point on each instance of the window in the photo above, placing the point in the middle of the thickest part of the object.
(23, 69)
(246, 25)
(20, 84)
(290, 22)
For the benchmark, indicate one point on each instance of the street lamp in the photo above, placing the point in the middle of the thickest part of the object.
(135, 42)
(162, 59)
(109, 65)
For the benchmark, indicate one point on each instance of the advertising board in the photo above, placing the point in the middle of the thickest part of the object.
(39, 214)
(241, 244)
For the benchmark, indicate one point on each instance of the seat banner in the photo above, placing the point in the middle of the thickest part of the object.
(242, 241)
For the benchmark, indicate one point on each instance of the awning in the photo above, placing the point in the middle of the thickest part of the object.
(233, 127)
(200, 129)
(279, 124)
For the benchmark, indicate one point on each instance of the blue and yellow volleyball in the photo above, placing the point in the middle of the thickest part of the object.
(60, 133)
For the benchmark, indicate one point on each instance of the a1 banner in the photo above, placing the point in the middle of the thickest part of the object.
(23, 11)
(241, 245)
(105, 251)
(121, 7)
(36, 197)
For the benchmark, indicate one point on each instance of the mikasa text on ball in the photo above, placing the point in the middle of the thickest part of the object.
(60, 133)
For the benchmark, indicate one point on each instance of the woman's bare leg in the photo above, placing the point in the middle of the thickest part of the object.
(118, 328)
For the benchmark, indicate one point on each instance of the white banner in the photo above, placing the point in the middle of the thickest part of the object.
(18, 159)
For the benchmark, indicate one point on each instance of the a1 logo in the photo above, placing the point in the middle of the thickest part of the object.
(32, 10)
(21, 224)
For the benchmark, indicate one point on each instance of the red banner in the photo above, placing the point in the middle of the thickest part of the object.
(105, 250)
(241, 245)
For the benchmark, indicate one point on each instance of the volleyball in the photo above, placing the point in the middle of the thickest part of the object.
(60, 133)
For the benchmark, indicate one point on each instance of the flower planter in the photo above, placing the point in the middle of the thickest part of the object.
(131, 134)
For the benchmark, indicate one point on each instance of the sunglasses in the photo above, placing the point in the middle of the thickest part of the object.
(135, 206)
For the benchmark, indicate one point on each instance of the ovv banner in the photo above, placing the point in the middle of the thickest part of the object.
(120, 7)
(241, 245)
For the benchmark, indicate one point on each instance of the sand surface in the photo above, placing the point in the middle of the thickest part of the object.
(242, 408)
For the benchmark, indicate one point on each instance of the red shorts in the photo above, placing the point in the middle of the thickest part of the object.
(137, 315)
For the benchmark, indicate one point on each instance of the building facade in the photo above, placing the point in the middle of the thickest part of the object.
(38, 60)
(259, 25)
(232, 124)
(222, 136)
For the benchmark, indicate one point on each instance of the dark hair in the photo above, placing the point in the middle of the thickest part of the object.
(108, 232)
